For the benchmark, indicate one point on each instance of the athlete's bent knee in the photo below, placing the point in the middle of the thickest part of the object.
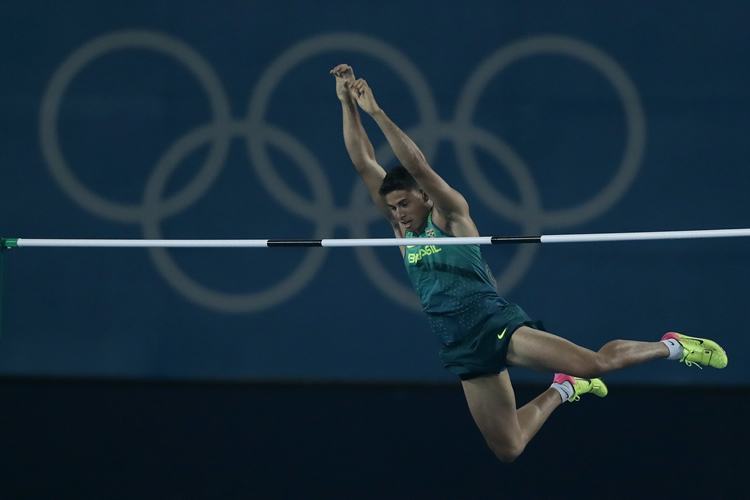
(506, 452)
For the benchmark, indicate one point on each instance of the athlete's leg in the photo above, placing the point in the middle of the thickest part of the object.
(541, 350)
(506, 429)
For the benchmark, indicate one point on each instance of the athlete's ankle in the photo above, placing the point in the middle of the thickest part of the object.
(565, 389)
(675, 349)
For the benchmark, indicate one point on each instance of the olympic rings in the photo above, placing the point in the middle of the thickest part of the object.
(321, 209)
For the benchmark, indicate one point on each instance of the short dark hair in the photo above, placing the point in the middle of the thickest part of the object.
(397, 178)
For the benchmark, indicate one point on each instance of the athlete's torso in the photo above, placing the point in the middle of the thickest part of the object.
(454, 284)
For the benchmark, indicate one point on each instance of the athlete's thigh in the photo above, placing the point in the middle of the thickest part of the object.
(492, 404)
(540, 350)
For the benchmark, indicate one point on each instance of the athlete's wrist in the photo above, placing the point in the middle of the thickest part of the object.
(377, 113)
(348, 103)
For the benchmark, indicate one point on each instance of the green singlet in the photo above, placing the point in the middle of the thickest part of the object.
(458, 293)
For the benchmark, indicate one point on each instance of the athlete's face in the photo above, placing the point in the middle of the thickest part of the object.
(409, 208)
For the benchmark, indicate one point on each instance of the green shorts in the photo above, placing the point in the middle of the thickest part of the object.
(483, 352)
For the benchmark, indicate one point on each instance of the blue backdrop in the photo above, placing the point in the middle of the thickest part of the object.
(221, 121)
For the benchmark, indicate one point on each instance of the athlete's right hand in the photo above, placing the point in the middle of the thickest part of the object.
(364, 97)
(344, 75)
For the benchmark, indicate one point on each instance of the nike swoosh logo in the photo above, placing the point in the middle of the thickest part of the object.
(501, 335)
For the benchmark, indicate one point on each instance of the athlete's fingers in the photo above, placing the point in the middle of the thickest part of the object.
(341, 69)
(362, 86)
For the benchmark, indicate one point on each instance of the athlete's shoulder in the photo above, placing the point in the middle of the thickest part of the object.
(456, 225)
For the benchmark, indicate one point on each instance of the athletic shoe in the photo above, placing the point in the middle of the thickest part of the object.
(699, 352)
(595, 386)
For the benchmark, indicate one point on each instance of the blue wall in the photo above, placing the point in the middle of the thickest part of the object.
(221, 122)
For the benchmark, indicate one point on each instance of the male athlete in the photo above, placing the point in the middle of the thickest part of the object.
(481, 333)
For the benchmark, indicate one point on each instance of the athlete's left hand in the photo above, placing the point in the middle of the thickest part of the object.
(344, 75)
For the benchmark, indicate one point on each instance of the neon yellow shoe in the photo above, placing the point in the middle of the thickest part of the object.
(699, 352)
(595, 386)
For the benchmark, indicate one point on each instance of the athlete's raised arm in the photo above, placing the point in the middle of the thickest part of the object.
(451, 206)
(358, 145)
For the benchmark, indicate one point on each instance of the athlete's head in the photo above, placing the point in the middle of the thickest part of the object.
(408, 203)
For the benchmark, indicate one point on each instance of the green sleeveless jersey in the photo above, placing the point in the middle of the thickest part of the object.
(454, 283)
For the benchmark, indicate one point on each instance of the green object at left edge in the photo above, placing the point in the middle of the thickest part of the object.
(8, 243)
